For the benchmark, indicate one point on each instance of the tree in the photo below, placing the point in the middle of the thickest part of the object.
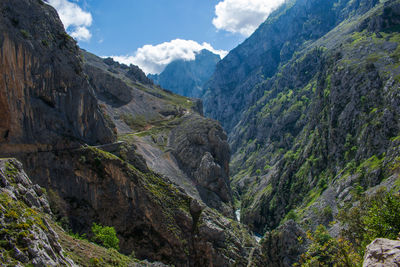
(328, 251)
(105, 236)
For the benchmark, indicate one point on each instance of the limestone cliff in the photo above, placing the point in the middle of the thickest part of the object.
(320, 116)
(311, 105)
(45, 99)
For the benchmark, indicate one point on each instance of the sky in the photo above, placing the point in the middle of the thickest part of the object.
(153, 33)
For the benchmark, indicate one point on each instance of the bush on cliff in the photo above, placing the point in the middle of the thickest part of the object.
(105, 236)
(375, 216)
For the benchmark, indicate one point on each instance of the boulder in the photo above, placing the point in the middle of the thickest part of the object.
(382, 252)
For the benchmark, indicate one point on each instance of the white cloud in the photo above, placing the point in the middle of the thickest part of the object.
(81, 34)
(243, 16)
(154, 58)
(75, 20)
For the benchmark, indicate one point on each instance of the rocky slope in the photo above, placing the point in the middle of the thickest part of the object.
(30, 235)
(164, 188)
(312, 110)
(188, 77)
(167, 130)
(26, 235)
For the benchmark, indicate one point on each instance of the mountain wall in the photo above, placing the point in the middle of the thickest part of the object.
(45, 98)
(311, 110)
(233, 87)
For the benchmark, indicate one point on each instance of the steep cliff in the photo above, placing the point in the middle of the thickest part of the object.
(30, 235)
(187, 77)
(233, 87)
(45, 98)
(154, 218)
(311, 109)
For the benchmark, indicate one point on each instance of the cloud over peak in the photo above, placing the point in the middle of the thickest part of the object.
(154, 58)
(75, 20)
(243, 16)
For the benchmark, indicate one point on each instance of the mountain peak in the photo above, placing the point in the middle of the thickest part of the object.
(187, 77)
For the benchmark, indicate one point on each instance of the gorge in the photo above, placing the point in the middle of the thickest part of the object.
(300, 128)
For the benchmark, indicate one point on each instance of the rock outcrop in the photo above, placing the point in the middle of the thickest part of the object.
(153, 218)
(283, 246)
(201, 149)
(26, 235)
(382, 252)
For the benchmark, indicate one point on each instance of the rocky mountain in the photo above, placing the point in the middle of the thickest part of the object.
(187, 77)
(29, 234)
(110, 147)
(310, 103)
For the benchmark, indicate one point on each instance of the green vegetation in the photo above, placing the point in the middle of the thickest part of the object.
(134, 122)
(85, 253)
(25, 34)
(376, 216)
(105, 236)
(328, 251)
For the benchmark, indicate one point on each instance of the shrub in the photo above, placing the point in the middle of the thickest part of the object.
(25, 34)
(376, 216)
(328, 251)
(105, 236)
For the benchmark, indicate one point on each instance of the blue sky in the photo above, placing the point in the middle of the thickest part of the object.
(125, 25)
(152, 33)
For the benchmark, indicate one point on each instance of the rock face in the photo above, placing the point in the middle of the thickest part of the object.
(188, 77)
(27, 237)
(311, 113)
(231, 88)
(281, 246)
(382, 252)
(45, 98)
(201, 148)
(153, 218)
